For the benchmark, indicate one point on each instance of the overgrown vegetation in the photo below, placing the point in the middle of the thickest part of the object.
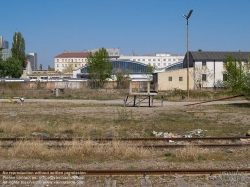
(237, 76)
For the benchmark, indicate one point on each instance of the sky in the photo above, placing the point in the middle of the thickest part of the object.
(50, 27)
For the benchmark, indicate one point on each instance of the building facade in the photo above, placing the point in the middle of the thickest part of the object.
(133, 69)
(207, 68)
(113, 52)
(33, 61)
(70, 60)
(159, 60)
(4, 44)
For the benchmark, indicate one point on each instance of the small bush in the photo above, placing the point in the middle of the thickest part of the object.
(124, 115)
(168, 154)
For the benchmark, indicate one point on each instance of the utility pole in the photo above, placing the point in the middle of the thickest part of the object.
(187, 17)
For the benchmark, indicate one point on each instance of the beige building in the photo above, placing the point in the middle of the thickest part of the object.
(174, 79)
(69, 61)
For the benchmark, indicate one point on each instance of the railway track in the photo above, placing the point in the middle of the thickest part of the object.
(129, 139)
(160, 146)
(62, 143)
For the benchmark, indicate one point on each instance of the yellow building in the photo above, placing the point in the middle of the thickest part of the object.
(174, 79)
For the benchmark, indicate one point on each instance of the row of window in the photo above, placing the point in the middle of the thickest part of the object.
(204, 78)
(156, 59)
(171, 78)
(111, 54)
(164, 64)
(204, 63)
(58, 65)
(245, 64)
(71, 60)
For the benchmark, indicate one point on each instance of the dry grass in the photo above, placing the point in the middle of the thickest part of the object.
(77, 150)
(189, 153)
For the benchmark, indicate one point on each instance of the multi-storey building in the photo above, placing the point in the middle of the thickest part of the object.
(3, 44)
(159, 60)
(33, 60)
(113, 52)
(70, 59)
(5, 52)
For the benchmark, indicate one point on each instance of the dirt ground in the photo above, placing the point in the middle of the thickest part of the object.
(102, 119)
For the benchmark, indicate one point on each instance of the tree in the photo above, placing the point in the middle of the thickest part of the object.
(121, 76)
(41, 67)
(237, 76)
(2, 69)
(18, 48)
(1, 54)
(69, 69)
(149, 71)
(201, 75)
(99, 67)
(12, 68)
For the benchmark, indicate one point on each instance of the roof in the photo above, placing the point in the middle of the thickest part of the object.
(73, 55)
(218, 56)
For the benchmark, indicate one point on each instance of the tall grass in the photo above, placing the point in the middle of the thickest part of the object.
(78, 150)
(189, 153)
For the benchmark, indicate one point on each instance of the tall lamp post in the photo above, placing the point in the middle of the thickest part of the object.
(186, 17)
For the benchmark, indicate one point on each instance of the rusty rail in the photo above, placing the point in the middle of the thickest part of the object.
(198, 145)
(225, 98)
(128, 139)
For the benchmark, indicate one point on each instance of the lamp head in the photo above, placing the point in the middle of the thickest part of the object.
(189, 14)
(184, 16)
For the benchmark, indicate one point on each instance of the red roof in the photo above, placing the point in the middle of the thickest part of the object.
(73, 55)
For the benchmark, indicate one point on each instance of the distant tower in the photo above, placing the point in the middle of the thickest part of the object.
(33, 61)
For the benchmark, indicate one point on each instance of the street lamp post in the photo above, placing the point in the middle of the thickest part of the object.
(186, 17)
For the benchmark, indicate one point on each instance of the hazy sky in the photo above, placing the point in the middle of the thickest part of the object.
(144, 26)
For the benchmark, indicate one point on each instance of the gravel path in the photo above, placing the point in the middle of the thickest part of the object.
(120, 102)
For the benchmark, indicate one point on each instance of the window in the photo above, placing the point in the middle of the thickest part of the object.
(224, 77)
(169, 59)
(62, 65)
(159, 59)
(164, 64)
(75, 65)
(62, 60)
(169, 64)
(180, 78)
(169, 78)
(111, 54)
(204, 77)
(138, 59)
(143, 59)
(159, 64)
(71, 60)
(57, 65)
(149, 59)
(153, 59)
(57, 60)
(245, 64)
(173, 59)
(154, 64)
(204, 63)
(164, 59)
(75, 60)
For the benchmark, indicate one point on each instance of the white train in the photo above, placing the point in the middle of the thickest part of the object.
(42, 79)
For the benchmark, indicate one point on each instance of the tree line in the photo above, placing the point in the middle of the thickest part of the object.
(13, 66)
